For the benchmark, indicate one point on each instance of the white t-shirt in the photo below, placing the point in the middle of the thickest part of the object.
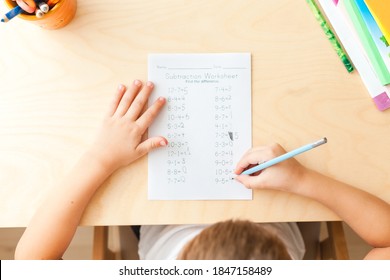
(166, 242)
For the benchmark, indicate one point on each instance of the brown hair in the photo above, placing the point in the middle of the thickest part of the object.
(235, 240)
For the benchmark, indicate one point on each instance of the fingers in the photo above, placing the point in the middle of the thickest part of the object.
(246, 180)
(131, 103)
(151, 144)
(246, 161)
(140, 101)
(258, 155)
(128, 98)
(115, 101)
(146, 119)
(252, 157)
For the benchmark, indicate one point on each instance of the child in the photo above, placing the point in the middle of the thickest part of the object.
(120, 142)
(366, 214)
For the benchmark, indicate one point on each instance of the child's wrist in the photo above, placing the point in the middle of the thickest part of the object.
(306, 182)
(101, 160)
(297, 184)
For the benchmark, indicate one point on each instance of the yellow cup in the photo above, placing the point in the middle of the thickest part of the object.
(58, 16)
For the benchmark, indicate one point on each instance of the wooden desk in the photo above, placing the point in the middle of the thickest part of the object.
(55, 86)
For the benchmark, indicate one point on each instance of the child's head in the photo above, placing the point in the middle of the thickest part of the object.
(235, 240)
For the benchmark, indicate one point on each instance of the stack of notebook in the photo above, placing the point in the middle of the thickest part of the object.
(363, 27)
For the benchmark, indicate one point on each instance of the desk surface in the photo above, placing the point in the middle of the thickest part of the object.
(55, 86)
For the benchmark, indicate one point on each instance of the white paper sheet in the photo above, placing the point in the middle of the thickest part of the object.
(207, 121)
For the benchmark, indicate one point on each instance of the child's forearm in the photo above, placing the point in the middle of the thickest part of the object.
(55, 222)
(366, 214)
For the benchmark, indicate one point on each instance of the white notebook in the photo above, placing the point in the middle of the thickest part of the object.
(207, 121)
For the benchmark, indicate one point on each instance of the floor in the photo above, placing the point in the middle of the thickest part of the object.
(81, 246)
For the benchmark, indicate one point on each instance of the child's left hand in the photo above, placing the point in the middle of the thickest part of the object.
(119, 142)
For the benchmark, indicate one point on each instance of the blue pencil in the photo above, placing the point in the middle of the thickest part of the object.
(281, 158)
(11, 14)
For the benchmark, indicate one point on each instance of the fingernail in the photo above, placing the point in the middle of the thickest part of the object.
(161, 99)
(121, 87)
(150, 84)
(163, 143)
(137, 82)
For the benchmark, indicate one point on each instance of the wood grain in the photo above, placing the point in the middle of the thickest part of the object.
(55, 86)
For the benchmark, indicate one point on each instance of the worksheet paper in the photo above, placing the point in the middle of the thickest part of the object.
(207, 121)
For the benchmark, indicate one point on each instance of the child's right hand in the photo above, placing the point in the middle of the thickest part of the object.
(120, 142)
(284, 176)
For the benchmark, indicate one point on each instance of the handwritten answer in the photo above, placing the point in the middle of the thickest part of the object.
(207, 121)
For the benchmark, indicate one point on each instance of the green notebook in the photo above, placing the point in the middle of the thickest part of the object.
(367, 41)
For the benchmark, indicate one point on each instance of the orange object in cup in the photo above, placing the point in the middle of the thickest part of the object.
(58, 16)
